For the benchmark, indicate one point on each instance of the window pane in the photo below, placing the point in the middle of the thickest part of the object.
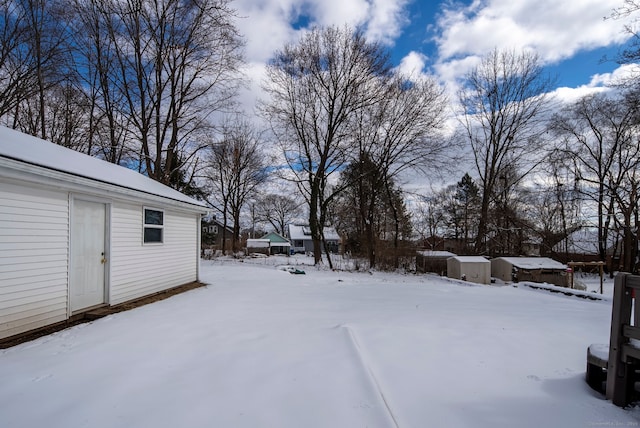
(153, 217)
(152, 234)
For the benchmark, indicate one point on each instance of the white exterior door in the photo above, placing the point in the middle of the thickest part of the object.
(88, 257)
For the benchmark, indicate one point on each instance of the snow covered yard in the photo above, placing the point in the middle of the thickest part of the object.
(260, 347)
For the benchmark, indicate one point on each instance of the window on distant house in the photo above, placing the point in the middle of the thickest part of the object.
(153, 226)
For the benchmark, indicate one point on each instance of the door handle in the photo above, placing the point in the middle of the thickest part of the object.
(103, 261)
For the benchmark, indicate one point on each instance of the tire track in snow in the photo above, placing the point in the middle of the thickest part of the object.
(368, 371)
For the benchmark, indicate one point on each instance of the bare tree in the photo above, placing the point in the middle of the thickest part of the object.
(555, 205)
(33, 59)
(430, 217)
(63, 116)
(17, 74)
(631, 52)
(374, 221)
(600, 134)
(278, 211)
(177, 64)
(504, 101)
(235, 171)
(314, 87)
(50, 53)
(108, 133)
(399, 132)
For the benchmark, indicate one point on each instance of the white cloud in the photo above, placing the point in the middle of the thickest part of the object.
(413, 64)
(598, 83)
(556, 30)
(338, 12)
(268, 25)
(620, 74)
(386, 19)
(255, 73)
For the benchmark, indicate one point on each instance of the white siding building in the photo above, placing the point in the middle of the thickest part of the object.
(301, 241)
(78, 233)
(469, 268)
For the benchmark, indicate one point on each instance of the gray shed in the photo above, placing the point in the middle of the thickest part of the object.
(469, 268)
(533, 269)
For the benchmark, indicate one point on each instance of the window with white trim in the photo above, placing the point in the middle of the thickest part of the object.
(153, 229)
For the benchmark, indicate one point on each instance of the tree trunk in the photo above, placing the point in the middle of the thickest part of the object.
(314, 225)
(480, 243)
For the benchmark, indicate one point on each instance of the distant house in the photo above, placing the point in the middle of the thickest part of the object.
(301, 241)
(432, 261)
(212, 234)
(469, 268)
(79, 233)
(270, 244)
(533, 269)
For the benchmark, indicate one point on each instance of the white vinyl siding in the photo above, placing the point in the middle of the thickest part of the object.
(138, 270)
(33, 258)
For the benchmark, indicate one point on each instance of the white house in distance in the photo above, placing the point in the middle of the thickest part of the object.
(77, 233)
(469, 268)
(301, 242)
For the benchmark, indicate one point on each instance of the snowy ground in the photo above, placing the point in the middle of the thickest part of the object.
(260, 347)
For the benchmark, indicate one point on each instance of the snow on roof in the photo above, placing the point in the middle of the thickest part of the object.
(432, 253)
(471, 259)
(301, 232)
(35, 151)
(534, 262)
(257, 243)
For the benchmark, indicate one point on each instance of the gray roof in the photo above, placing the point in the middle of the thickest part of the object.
(301, 232)
(35, 151)
(534, 262)
(436, 254)
(471, 259)
(276, 238)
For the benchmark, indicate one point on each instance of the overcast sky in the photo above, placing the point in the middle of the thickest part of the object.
(447, 38)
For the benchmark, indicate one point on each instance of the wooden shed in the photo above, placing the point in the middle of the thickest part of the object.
(77, 233)
(469, 268)
(533, 269)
